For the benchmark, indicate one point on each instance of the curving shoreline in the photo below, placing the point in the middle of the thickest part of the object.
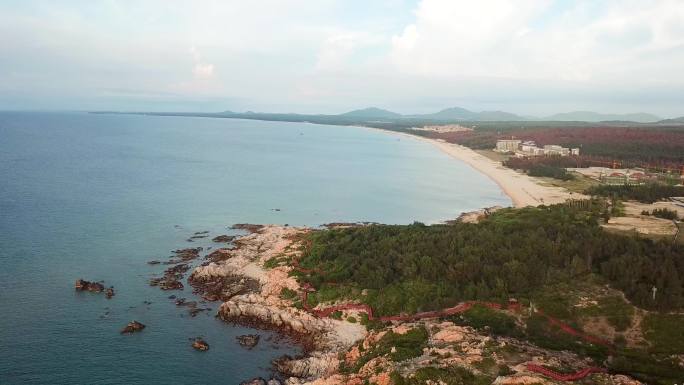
(522, 189)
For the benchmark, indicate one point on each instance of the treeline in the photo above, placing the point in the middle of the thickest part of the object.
(545, 166)
(647, 193)
(513, 253)
(550, 172)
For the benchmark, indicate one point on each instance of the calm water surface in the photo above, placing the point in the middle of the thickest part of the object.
(96, 196)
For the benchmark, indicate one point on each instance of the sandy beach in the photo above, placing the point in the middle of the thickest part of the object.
(522, 189)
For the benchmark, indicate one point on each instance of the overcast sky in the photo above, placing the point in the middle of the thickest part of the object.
(531, 57)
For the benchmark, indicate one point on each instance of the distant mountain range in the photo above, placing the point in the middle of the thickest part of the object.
(371, 113)
(377, 117)
(679, 120)
(458, 113)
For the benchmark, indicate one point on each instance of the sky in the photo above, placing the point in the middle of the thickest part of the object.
(531, 57)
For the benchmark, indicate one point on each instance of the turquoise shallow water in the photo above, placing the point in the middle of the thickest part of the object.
(96, 196)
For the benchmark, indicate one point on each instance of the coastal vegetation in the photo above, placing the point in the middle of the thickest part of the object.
(555, 259)
(452, 375)
(513, 253)
(543, 166)
(397, 347)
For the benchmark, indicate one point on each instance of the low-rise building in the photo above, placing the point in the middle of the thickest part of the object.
(530, 148)
(623, 178)
(507, 145)
(554, 149)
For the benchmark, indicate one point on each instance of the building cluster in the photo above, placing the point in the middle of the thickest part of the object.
(623, 177)
(530, 148)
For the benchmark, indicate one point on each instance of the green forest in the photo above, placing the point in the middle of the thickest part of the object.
(544, 255)
(513, 253)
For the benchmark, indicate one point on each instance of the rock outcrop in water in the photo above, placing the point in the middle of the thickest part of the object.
(83, 285)
(200, 344)
(185, 255)
(223, 238)
(171, 278)
(248, 340)
(132, 327)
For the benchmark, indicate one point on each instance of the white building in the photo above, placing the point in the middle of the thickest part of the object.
(529, 148)
(507, 145)
(553, 149)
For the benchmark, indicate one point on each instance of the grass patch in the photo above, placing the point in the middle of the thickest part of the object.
(276, 261)
(578, 184)
(290, 294)
(493, 321)
(665, 332)
(618, 312)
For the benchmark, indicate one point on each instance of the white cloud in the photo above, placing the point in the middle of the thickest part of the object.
(340, 50)
(332, 55)
(618, 41)
(201, 70)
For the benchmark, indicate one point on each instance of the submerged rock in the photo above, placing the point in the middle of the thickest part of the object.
(187, 254)
(200, 344)
(171, 278)
(248, 340)
(133, 326)
(223, 238)
(247, 226)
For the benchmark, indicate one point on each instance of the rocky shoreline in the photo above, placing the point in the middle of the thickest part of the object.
(251, 296)
(253, 283)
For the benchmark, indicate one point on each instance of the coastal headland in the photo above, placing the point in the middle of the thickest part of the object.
(346, 344)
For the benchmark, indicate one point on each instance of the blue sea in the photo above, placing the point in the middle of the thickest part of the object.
(97, 196)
